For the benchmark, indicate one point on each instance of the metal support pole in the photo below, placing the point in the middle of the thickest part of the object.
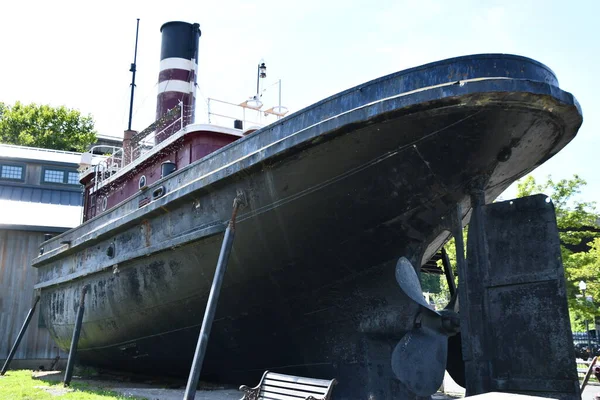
(132, 70)
(588, 373)
(280, 95)
(587, 327)
(13, 350)
(589, 339)
(208, 109)
(461, 262)
(75, 339)
(448, 272)
(182, 114)
(211, 306)
(257, 80)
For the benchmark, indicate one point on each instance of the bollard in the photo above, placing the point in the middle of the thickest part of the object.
(75, 339)
(13, 350)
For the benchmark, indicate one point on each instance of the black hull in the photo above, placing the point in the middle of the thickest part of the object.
(312, 266)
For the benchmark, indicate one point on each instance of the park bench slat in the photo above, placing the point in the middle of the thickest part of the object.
(275, 386)
(298, 379)
(298, 386)
(291, 392)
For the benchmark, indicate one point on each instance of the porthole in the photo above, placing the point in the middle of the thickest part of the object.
(110, 251)
(104, 203)
(142, 182)
(158, 192)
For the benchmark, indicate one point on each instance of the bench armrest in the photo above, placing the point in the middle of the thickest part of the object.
(250, 393)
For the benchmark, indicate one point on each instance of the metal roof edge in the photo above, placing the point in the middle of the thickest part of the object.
(35, 228)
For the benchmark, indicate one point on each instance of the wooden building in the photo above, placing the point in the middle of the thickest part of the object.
(40, 194)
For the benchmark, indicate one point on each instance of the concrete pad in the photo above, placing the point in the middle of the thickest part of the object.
(177, 394)
(508, 396)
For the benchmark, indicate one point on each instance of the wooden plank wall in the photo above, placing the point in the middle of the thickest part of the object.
(17, 278)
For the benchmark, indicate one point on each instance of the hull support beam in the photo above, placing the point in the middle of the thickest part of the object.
(13, 350)
(75, 339)
(211, 306)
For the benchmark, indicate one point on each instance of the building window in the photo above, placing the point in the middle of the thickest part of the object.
(54, 176)
(14, 172)
(51, 175)
(72, 178)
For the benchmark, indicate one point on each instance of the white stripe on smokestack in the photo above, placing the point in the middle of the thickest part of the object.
(173, 85)
(178, 63)
(178, 73)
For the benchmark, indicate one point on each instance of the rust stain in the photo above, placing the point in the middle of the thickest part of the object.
(147, 231)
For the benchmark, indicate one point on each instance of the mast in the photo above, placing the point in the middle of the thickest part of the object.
(132, 69)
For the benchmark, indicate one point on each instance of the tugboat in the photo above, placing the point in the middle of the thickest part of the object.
(334, 195)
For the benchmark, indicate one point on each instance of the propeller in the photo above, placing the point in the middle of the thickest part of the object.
(419, 359)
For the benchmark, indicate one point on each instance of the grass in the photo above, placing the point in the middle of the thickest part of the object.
(20, 385)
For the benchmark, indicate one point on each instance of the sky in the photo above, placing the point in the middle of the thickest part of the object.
(78, 53)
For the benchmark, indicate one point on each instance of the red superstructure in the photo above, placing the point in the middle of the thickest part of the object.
(107, 187)
(173, 141)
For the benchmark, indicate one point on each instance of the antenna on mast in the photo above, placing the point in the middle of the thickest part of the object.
(132, 69)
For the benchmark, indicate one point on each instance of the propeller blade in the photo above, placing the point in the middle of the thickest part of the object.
(409, 282)
(455, 364)
(419, 361)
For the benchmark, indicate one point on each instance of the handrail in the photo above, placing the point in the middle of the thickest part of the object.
(144, 141)
(108, 167)
(241, 109)
(234, 118)
(141, 143)
(179, 108)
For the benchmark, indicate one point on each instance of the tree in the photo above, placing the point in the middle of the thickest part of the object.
(57, 128)
(583, 266)
(579, 234)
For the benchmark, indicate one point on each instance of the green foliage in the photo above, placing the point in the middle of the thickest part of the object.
(583, 267)
(576, 220)
(57, 128)
(441, 298)
(21, 385)
(571, 215)
(430, 283)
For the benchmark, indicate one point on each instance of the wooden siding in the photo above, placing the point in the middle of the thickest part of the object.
(17, 277)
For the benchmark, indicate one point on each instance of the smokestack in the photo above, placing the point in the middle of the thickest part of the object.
(178, 73)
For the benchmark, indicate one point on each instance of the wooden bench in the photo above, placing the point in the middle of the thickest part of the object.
(288, 387)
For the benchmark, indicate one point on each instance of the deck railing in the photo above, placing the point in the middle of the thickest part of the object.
(173, 121)
(249, 113)
(141, 143)
(231, 112)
